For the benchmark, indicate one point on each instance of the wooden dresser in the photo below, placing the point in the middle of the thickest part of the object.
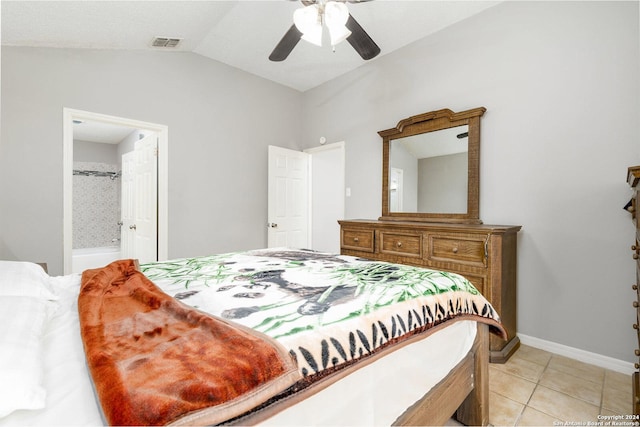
(633, 178)
(484, 254)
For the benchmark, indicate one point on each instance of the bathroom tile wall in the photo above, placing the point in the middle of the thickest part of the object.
(96, 207)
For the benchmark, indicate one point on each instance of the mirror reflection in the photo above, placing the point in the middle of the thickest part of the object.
(428, 172)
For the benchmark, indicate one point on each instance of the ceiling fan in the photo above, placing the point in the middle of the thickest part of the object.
(308, 25)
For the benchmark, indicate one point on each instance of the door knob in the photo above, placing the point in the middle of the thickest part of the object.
(132, 227)
(272, 225)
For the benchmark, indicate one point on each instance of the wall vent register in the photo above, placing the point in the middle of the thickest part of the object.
(166, 42)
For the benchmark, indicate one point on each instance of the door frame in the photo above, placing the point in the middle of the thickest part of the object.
(68, 116)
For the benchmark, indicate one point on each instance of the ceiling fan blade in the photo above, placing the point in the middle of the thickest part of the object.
(286, 44)
(361, 41)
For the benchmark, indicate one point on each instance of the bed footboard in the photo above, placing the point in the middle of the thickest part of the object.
(465, 391)
(474, 410)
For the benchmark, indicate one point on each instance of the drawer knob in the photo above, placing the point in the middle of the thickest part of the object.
(637, 352)
(634, 287)
(637, 365)
(634, 248)
(355, 239)
(399, 244)
(635, 326)
(636, 256)
(455, 250)
(635, 304)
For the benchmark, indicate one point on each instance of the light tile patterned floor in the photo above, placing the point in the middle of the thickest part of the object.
(539, 388)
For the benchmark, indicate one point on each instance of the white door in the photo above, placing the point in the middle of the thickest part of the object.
(140, 201)
(146, 216)
(127, 205)
(288, 204)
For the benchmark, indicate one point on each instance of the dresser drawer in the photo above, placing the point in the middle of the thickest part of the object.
(469, 249)
(356, 239)
(401, 243)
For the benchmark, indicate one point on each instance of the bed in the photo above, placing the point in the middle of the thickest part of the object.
(339, 341)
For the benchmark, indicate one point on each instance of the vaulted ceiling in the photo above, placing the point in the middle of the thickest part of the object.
(239, 33)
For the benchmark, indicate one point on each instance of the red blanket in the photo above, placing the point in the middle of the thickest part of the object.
(155, 361)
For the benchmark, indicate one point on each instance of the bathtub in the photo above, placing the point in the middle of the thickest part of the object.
(85, 258)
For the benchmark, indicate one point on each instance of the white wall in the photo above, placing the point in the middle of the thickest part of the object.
(560, 81)
(220, 122)
(87, 151)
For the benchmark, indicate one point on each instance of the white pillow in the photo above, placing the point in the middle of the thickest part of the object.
(24, 279)
(22, 323)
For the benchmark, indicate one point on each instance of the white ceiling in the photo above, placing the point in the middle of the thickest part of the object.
(106, 133)
(239, 33)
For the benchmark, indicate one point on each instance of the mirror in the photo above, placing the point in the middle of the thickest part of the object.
(428, 172)
(431, 167)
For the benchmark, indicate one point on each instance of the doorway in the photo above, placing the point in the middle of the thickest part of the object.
(327, 183)
(306, 197)
(71, 117)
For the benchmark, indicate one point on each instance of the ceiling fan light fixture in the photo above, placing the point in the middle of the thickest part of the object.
(335, 18)
(338, 34)
(308, 21)
(313, 35)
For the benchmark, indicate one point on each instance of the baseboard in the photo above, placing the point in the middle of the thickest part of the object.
(580, 355)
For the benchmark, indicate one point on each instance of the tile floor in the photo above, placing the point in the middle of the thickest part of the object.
(539, 388)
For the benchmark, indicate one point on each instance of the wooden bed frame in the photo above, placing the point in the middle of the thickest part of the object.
(463, 393)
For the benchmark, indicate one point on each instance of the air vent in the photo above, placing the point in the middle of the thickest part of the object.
(165, 42)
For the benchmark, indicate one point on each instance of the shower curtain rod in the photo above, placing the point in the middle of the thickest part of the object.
(112, 175)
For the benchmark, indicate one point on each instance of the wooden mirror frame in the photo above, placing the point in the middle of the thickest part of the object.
(429, 122)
